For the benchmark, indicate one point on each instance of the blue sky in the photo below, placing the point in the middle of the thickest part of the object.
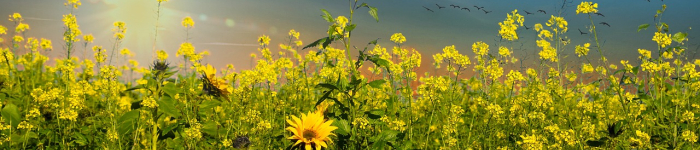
(228, 29)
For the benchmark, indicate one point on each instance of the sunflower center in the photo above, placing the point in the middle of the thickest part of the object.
(309, 134)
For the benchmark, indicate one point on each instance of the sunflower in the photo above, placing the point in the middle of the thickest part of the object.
(311, 129)
(212, 84)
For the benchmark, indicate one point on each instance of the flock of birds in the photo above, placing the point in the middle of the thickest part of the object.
(526, 13)
(459, 7)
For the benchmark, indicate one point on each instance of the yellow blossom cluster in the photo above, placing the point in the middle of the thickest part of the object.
(187, 22)
(662, 39)
(72, 29)
(509, 26)
(587, 7)
(398, 38)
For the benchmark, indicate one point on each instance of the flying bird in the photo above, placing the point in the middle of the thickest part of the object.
(477, 7)
(542, 11)
(582, 33)
(486, 12)
(439, 7)
(599, 14)
(455, 6)
(465, 8)
(526, 28)
(426, 8)
(605, 23)
(528, 13)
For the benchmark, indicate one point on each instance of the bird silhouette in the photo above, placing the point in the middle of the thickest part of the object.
(426, 8)
(439, 7)
(486, 12)
(605, 23)
(528, 13)
(454, 6)
(477, 7)
(465, 8)
(542, 11)
(526, 28)
(582, 33)
(599, 14)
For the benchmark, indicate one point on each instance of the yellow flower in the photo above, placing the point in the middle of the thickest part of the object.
(690, 136)
(480, 48)
(645, 53)
(187, 22)
(160, 1)
(162, 55)
(16, 17)
(264, 40)
(21, 27)
(662, 39)
(74, 3)
(509, 26)
(17, 38)
(88, 38)
(587, 7)
(46, 44)
(294, 33)
(341, 21)
(503, 51)
(582, 50)
(142, 81)
(3, 30)
(311, 129)
(126, 52)
(398, 38)
(587, 68)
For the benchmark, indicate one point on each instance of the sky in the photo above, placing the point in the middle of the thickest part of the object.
(229, 29)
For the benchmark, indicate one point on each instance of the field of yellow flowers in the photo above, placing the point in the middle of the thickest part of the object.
(317, 96)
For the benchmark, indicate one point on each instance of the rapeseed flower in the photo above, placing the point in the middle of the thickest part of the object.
(46, 44)
(582, 50)
(264, 40)
(162, 55)
(311, 129)
(689, 136)
(88, 38)
(187, 22)
(73, 3)
(398, 38)
(16, 17)
(509, 26)
(662, 39)
(587, 7)
(21, 27)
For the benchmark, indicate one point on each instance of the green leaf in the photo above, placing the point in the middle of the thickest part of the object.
(679, 37)
(169, 128)
(385, 136)
(80, 139)
(327, 16)
(324, 97)
(170, 89)
(635, 70)
(373, 12)
(126, 122)
(208, 105)
(350, 27)
(373, 42)
(328, 86)
(362, 5)
(11, 115)
(210, 128)
(343, 127)
(315, 43)
(167, 106)
(643, 26)
(377, 83)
